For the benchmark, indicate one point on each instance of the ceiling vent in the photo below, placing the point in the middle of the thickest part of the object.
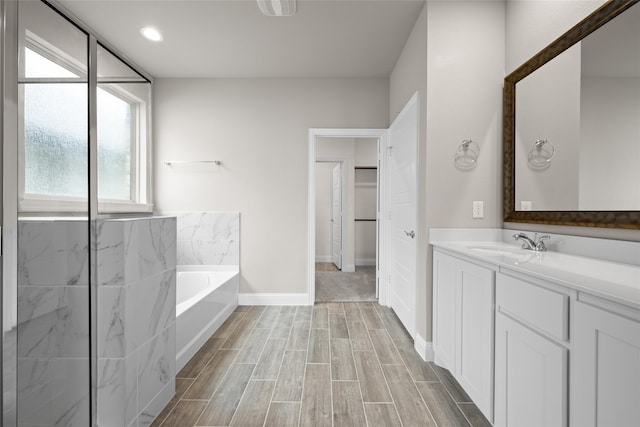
(277, 7)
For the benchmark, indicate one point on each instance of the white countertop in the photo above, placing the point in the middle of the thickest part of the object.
(614, 281)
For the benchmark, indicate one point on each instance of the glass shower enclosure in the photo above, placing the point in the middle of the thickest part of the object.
(75, 126)
(48, 306)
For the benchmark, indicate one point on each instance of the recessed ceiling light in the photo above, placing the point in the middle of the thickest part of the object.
(151, 33)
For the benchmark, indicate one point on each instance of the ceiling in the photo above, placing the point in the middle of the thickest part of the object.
(231, 38)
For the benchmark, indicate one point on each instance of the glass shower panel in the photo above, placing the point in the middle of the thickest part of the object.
(113, 69)
(8, 269)
(53, 318)
(53, 92)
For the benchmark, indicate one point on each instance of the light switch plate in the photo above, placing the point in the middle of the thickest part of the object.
(478, 209)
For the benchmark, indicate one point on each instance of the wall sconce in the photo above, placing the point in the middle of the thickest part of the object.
(540, 155)
(466, 156)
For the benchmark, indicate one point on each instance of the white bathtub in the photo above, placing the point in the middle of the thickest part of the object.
(205, 297)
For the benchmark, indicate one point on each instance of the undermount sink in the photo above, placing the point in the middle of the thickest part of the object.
(506, 252)
(499, 250)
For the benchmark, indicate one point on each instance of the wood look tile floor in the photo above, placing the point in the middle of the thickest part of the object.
(333, 364)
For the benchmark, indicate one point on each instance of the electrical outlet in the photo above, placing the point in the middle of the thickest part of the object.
(478, 209)
(525, 205)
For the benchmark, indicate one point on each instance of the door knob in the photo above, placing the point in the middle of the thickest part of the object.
(411, 234)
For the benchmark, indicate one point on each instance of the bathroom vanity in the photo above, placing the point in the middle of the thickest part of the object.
(538, 338)
(550, 338)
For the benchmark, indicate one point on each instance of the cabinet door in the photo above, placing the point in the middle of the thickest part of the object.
(444, 310)
(474, 351)
(605, 372)
(530, 379)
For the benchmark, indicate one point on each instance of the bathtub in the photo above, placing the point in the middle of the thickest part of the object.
(205, 297)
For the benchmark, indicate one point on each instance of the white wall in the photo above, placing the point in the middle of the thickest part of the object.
(367, 152)
(258, 128)
(455, 57)
(532, 24)
(465, 76)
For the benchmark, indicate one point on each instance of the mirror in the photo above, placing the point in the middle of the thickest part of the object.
(572, 126)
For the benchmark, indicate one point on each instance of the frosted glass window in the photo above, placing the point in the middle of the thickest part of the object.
(54, 92)
(55, 131)
(115, 146)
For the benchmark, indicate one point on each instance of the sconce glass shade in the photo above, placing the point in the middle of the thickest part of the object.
(277, 7)
(466, 155)
(541, 154)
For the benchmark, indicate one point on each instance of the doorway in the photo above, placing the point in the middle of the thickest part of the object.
(360, 267)
(397, 234)
(346, 193)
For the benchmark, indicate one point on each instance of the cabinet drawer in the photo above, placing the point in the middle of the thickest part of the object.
(539, 307)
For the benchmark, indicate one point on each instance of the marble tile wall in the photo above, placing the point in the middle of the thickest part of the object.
(208, 238)
(136, 321)
(53, 318)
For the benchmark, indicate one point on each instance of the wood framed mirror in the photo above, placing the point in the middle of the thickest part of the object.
(577, 207)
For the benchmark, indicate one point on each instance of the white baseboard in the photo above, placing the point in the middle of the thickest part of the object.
(323, 258)
(274, 299)
(365, 261)
(424, 348)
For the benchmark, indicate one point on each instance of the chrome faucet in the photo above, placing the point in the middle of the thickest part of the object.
(535, 244)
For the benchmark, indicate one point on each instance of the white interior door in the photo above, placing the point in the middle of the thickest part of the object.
(336, 217)
(401, 214)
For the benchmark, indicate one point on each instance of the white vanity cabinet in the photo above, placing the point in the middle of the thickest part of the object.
(605, 373)
(463, 325)
(531, 354)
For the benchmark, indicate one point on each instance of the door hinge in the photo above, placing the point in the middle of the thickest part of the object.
(390, 151)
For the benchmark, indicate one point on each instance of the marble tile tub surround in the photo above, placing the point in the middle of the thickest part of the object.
(621, 251)
(130, 249)
(208, 238)
(136, 318)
